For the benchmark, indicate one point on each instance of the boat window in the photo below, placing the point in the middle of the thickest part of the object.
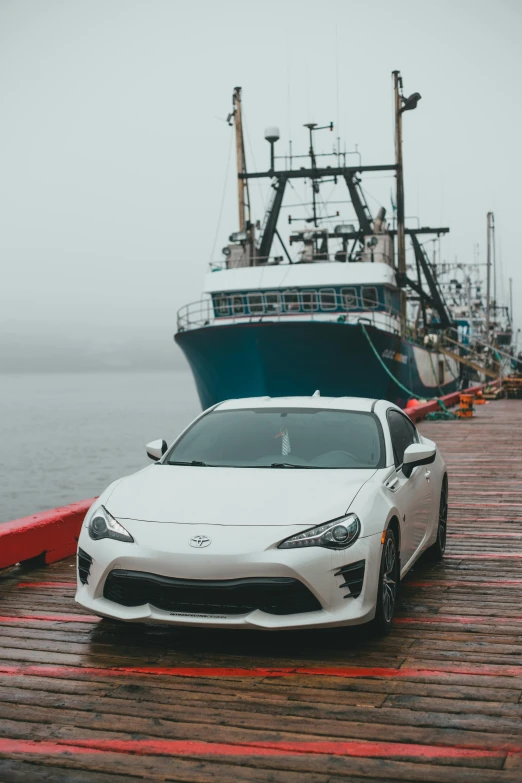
(256, 304)
(349, 296)
(390, 300)
(238, 306)
(282, 438)
(394, 302)
(370, 298)
(441, 372)
(291, 300)
(221, 305)
(309, 300)
(273, 302)
(328, 299)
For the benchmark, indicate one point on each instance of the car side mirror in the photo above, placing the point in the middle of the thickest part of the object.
(156, 449)
(417, 454)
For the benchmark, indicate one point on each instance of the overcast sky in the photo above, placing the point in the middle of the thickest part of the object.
(114, 149)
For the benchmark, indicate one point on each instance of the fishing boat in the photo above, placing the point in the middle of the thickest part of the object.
(484, 324)
(335, 307)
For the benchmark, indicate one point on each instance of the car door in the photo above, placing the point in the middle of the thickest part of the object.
(413, 494)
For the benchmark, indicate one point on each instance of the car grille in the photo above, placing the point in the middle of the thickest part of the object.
(275, 595)
(353, 575)
(84, 566)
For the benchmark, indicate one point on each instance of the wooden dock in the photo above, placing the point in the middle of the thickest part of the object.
(439, 699)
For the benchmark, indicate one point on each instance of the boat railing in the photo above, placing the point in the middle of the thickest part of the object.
(267, 261)
(205, 312)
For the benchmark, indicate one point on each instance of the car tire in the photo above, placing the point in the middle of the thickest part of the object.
(437, 550)
(389, 575)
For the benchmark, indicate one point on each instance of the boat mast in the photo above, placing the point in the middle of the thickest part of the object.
(401, 246)
(243, 196)
(402, 104)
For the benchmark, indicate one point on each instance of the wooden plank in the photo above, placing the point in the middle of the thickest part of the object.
(15, 771)
(248, 712)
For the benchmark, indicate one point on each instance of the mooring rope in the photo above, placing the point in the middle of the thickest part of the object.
(445, 411)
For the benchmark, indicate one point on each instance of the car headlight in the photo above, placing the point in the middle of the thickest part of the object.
(103, 525)
(338, 534)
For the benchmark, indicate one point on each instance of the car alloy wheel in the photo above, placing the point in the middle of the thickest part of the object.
(388, 582)
(443, 520)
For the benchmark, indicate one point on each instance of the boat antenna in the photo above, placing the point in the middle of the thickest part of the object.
(312, 126)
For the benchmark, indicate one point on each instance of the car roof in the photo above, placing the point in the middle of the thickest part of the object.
(364, 404)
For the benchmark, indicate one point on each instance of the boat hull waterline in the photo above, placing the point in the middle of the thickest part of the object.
(293, 359)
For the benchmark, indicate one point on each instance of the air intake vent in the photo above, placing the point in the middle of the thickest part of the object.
(275, 595)
(353, 575)
(84, 566)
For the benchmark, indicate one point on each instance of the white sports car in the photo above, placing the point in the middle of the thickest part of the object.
(270, 514)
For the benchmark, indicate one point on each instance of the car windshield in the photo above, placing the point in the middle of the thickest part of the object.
(281, 438)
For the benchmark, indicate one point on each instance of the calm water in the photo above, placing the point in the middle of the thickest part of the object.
(65, 437)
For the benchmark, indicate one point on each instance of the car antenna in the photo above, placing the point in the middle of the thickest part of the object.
(316, 393)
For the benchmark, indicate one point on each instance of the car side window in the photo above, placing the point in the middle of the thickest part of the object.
(403, 434)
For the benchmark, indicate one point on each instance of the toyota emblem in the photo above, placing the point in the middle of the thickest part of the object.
(198, 542)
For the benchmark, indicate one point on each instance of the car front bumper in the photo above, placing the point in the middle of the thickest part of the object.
(239, 553)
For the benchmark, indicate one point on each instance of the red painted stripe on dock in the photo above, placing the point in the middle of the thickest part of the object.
(198, 671)
(486, 556)
(484, 505)
(51, 618)
(46, 584)
(464, 620)
(462, 583)
(479, 520)
(361, 748)
(442, 669)
(475, 536)
(478, 493)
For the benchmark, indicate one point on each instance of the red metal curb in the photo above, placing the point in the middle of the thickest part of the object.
(449, 400)
(51, 535)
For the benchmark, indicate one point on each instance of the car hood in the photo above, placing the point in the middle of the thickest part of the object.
(236, 496)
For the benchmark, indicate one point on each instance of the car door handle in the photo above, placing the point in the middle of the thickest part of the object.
(427, 475)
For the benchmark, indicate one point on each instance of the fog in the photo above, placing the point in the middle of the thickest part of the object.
(114, 150)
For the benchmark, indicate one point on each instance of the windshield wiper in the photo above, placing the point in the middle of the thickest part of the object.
(196, 462)
(287, 465)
